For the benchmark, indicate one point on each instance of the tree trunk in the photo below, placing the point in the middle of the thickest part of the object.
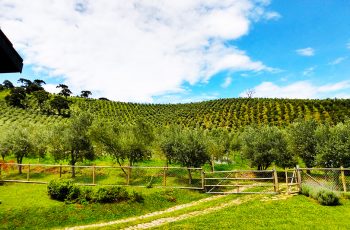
(212, 163)
(189, 176)
(19, 161)
(121, 166)
(73, 161)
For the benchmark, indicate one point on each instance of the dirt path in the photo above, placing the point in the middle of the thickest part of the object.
(152, 214)
(166, 220)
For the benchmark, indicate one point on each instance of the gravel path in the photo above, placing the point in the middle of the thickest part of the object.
(152, 214)
(161, 221)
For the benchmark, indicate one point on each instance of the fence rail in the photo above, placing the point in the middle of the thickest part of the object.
(175, 177)
(236, 181)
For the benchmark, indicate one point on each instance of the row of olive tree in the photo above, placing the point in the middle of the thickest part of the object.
(313, 143)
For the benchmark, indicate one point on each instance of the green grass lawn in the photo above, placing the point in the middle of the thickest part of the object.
(298, 212)
(26, 206)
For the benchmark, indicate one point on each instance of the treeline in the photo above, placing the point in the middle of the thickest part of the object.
(85, 138)
(32, 95)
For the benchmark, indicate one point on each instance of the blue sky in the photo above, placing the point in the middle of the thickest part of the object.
(185, 51)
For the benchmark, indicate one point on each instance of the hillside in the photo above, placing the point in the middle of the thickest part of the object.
(231, 113)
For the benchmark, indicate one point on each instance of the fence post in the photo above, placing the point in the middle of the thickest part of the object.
(203, 178)
(343, 178)
(28, 172)
(299, 177)
(60, 170)
(93, 174)
(164, 176)
(286, 173)
(275, 180)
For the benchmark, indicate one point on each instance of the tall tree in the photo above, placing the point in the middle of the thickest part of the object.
(186, 147)
(16, 97)
(59, 103)
(72, 140)
(333, 145)
(302, 141)
(41, 97)
(7, 84)
(19, 141)
(65, 91)
(85, 93)
(264, 146)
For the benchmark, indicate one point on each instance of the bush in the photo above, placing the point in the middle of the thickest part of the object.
(136, 197)
(328, 198)
(323, 196)
(66, 190)
(62, 190)
(111, 194)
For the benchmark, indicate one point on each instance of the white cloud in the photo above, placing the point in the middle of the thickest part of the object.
(272, 15)
(348, 45)
(309, 71)
(132, 50)
(227, 82)
(337, 61)
(300, 89)
(306, 52)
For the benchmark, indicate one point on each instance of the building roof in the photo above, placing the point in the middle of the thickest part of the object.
(10, 61)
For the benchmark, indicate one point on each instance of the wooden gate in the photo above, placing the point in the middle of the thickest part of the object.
(292, 180)
(241, 181)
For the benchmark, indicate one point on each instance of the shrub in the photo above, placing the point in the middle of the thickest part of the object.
(86, 195)
(328, 198)
(111, 194)
(305, 190)
(346, 195)
(136, 197)
(62, 189)
(322, 195)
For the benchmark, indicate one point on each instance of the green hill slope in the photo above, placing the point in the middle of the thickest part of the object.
(226, 113)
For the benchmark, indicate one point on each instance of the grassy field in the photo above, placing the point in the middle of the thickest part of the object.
(298, 212)
(26, 206)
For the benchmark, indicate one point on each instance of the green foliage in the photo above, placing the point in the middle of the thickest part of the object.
(62, 190)
(59, 103)
(333, 145)
(72, 141)
(322, 195)
(66, 190)
(16, 97)
(185, 146)
(7, 84)
(303, 141)
(41, 96)
(265, 145)
(111, 194)
(131, 142)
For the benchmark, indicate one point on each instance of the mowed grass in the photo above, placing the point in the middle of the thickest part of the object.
(27, 206)
(298, 212)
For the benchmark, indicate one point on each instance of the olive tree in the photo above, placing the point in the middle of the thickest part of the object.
(264, 146)
(72, 141)
(302, 141)
(186, 147)
(333, 145)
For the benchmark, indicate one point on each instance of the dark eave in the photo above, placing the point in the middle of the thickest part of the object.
(10, 61)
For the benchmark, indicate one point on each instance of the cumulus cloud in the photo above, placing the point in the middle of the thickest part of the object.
(337, 61)
(300, 90)
(227, 82)
(306, 52)
(132, 50)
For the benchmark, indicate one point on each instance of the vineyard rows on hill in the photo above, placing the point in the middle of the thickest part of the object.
(224, 113)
